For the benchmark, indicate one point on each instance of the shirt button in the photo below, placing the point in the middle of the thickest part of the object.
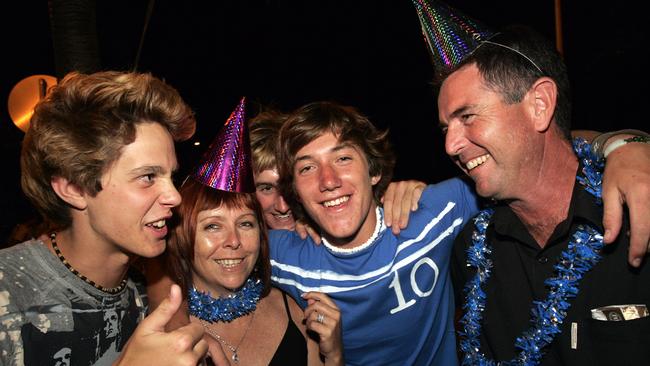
(542, 260)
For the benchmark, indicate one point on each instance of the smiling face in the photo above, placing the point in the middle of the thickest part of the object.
(485, 137)
(137, 195)
(277, 213)
(226, 248)
(334, 185)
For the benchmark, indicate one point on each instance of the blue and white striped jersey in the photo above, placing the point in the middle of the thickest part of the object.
(395, 294)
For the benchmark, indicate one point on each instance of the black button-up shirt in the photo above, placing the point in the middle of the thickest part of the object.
(520, 267)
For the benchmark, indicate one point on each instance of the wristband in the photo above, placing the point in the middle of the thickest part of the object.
(620, 142)
(600, 141)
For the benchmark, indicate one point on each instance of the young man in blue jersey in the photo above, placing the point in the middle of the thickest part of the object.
(393, 290)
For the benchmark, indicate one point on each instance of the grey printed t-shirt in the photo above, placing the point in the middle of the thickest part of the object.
(49, 316)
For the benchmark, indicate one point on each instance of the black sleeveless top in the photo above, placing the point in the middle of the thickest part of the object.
(293, 347)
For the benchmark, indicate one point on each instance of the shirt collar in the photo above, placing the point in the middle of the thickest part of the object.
(582, 208)
(379, 228)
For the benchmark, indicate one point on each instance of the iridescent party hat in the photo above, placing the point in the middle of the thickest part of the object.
(226, 165)
(450, 34)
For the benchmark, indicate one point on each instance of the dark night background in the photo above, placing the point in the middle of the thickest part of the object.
(365, 53)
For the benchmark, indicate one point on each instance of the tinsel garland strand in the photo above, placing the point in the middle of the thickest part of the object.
(225, 309)
(547, 316)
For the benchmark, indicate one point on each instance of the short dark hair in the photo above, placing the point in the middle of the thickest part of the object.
(511, 74)
(313, 120)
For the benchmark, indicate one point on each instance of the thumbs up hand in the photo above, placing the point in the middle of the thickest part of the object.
(150, 344)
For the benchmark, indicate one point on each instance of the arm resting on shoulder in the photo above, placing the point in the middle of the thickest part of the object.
(626, 181)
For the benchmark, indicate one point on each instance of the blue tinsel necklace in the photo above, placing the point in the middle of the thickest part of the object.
(229, 308)
(547, 316)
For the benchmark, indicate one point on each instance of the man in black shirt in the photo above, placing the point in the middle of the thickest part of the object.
(506, 116)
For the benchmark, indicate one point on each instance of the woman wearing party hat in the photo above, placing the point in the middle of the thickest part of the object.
(218, 252)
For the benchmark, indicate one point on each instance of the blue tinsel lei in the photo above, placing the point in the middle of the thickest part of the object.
(225, 309)
(547, 316)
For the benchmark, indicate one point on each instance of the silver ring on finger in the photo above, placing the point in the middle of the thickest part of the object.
(320, 318)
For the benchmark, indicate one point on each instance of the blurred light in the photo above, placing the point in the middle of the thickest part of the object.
(25, 95)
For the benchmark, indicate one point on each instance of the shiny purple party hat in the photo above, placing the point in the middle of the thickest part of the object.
(226, 165)
(450, 34)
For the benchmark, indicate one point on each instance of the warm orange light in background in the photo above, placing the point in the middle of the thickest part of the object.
(24, 96)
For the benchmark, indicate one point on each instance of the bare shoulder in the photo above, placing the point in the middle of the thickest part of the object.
(273, 304)
(293, 305)
(297, 314)
(275, 300)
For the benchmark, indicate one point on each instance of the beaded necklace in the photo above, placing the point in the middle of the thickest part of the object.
(109, 290)
(581, 255)
(225, 309)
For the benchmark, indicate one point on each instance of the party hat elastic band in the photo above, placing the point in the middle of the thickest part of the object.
(513, 50)
(226, 165)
